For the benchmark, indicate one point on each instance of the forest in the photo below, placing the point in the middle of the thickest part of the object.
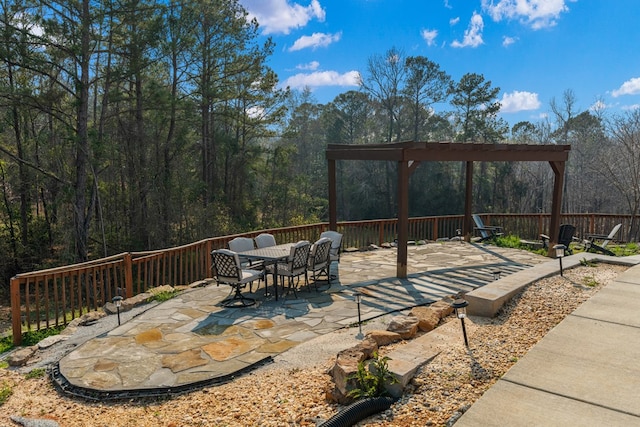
(139, 124)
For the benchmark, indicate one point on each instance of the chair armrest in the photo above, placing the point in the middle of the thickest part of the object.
(598, 237)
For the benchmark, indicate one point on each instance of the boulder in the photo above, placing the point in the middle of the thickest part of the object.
(383, 338)
(345, 366)
(21, 357)
(406, 326)
(428, 318)
(442, 308)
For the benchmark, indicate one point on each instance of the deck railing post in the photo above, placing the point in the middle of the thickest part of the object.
(16, 316)
(128, 275)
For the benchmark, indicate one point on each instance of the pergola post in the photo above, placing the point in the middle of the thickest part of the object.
(403, 217)
(556, 205)
(333, 195)
(468, 203)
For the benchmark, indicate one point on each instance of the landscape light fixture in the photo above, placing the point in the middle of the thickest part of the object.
(496, 274)
(560, 254)
(358, 298)
(117, 300)
(460, 307)
(459, 234)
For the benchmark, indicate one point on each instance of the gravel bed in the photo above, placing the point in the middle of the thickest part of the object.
(292, 390)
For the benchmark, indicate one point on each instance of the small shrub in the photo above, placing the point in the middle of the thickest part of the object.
(35, 373)
(34, 337)
(371, 382)
(508, 241)
(586, 263)
(5, 393)
(164, 296)
(6, 344)
(590, 281)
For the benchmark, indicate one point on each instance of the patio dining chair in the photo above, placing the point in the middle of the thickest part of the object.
(294, 266)
(318, 262)
(228, 270)
(241, 244)
(336, 246)
(264, 240)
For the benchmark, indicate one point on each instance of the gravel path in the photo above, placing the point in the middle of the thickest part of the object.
(292, 391)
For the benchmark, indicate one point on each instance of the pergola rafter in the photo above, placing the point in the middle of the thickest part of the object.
(408, 155)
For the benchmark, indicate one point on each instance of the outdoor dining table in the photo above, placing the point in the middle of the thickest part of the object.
(269, 255)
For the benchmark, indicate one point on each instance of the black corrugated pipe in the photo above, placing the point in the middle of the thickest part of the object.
(359, 410)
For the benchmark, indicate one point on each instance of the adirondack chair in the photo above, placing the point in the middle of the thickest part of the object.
(565, 237)
(591, 245)
(486, 232)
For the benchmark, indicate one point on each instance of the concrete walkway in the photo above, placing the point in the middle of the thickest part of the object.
(584, 372)
(191, 340)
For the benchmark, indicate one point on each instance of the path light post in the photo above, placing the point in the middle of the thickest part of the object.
(459, 234)
(496, 274)
(358, 298)
(560, 254)
(460, 307)
(117, 300)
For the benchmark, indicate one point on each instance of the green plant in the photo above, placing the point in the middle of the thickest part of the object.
(35, 373)
(34, 337)
(587, 263)
(164, 295)
(6, 344)
(590, 281)
(5, 392)
(508, 241)
(371, 381)
(4, 364)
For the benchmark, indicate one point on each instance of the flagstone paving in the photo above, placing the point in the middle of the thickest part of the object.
(193, 340)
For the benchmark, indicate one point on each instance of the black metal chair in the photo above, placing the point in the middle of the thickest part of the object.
(295, 265)
(241, 244)
(319, 262)
(228, 270)
(336, 247)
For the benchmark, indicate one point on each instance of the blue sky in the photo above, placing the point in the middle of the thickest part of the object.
(533, 50)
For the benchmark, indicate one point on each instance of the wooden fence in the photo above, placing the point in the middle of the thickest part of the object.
(53, 297)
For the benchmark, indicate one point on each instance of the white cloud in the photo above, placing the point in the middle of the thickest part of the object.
(473, 34)
(429, 36)
(314, 41)
(599, 105)
(454, 21)
(279, 16)
(323, 78)
(630, 107)
(630, 87)
(519, 101)
(508, 41)
(313, 65)
(535, 13)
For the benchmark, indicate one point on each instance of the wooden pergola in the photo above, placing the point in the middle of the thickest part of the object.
(408, 155)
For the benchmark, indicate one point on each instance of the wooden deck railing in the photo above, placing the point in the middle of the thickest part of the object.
(53, 297)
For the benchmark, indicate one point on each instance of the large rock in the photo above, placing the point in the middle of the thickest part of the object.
(383, 338)
(21, 357)
(344, 368)
(428, 318)
(442, 308)
(405, 326)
